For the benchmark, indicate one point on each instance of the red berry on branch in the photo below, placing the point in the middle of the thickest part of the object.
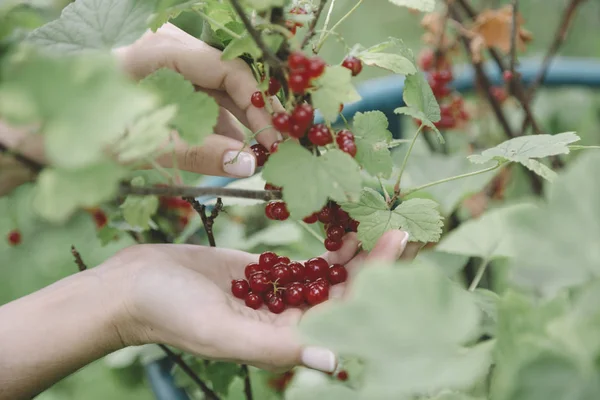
(297, 61)
(316, 67)
(259, 282)
(267, 259)
(341, 215)
(303, 115)
(253, 301)
(294, 294)
(274, 86)
(326, 215)
(269, 186)
(14, 237)
(274, 146)
(240, 288)
(443, 76)
(348, 146)
(279, 211)
(251, 269)
(508, 76)
(353, 225)
(335, 232)
(312, 218)
(320, 135)
(276, 304)
(269, 210)
(297, 270)
(100, 218)
(353, 64)
(315, 268)
(446, 122)
(337, 274)
(427, 59)
(333, 245)
(257, 100)
(316, 293)
(280, 274)
(298, 82)
(282, 122)
(342, 376)
(499, 93)
(297, 131)
(283, 260)
(344, 135)
(261, 153)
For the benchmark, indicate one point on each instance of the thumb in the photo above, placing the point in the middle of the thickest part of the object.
(218, 156)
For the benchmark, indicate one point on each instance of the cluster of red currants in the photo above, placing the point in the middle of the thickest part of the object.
(452, 106)
(181, 208)
(14, 237)
(293, 25)
(336, 222)
(278, 282)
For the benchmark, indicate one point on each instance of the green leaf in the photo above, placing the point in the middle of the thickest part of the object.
(221, 374)
(59, 192)
(262, 5)
(309, 181)
(487, 301)
(197, 112)
(402, 63)
(421, 5)
(94, 25)
(108, 234)
(372, 138)
(240, 46)
(167, 10)
(146, 135)
(80, 126)
(411, 112)
(524, 149)
(426, 168)
(334, 87)
(555, 244)
(137, 210)
(487, 236)
(418, 217)
(417, 322)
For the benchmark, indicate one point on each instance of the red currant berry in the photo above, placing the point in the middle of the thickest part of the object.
(298, 82)
(275, 146)
(259, 282)
(320, 135)
(446, 122)
(269, 210)
(341, 215)
(261, 153)
(297, 270)
(279, 211)
(253, 301)
(280, 274)
(101, 219)
(323, 283)
(14, 237)
(443, 77)
(297, 131)
(427, 59)
(342, 376)
(508, 76)
(297, 61)
(333, 245)
(268, 295)
(240, 288)
(335, 233)
(303, 115)
(344, 135)
(283, 260)
(353, 64)
(311, 219)
(252, 268)
(276, 304)
(274, 86)
(282, 122)
(315, 293)
(316, 67)
(353, 225)
(294, 294)
(267, 259)
(349, 147)
(499, 93)
(326, 215)
(315, 268)
(257, 100)
(269, 186)
(337, 274)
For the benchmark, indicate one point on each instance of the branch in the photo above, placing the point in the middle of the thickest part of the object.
(313, 24)
(191, 191)
(207, 221)
(268, 55)
(78, 260)
(513, 40)
(208, 392)
(247, 383)
(28, 162)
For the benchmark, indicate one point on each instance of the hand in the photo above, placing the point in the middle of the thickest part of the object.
(231, 83)
(180, 295)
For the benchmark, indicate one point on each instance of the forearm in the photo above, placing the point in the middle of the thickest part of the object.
(49, 334)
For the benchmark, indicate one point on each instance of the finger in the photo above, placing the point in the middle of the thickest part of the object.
(348, 250)
(228, 126)
(411, 251)
(173, 48)
(219, 156)
(226, 102)
(389, 247)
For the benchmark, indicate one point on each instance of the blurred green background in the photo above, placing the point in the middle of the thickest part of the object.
(44, 256)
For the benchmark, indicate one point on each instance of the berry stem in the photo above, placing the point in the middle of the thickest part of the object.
(403, 167)
(217, 23)
(207, 221)
(453, 178)
(324, 31)
(78, 260)
(324, 35)
(247, 383)
(311, 29)
(311, 231)
(480, 272)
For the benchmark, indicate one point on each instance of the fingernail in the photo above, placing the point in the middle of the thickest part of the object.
(319, 358)
(403, 243)
(239, 164)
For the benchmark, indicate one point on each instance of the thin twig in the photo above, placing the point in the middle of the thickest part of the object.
(207, 221)
(28, 162)
(191, 191)
(480, 272)
(247, 383)
(208, 392)
(78, 260)
(334, 27)
(313, 24)
(513, 40)
(268, 55)
(325, 25)
(404, 163)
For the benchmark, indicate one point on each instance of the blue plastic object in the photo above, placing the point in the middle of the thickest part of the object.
(385, 94)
